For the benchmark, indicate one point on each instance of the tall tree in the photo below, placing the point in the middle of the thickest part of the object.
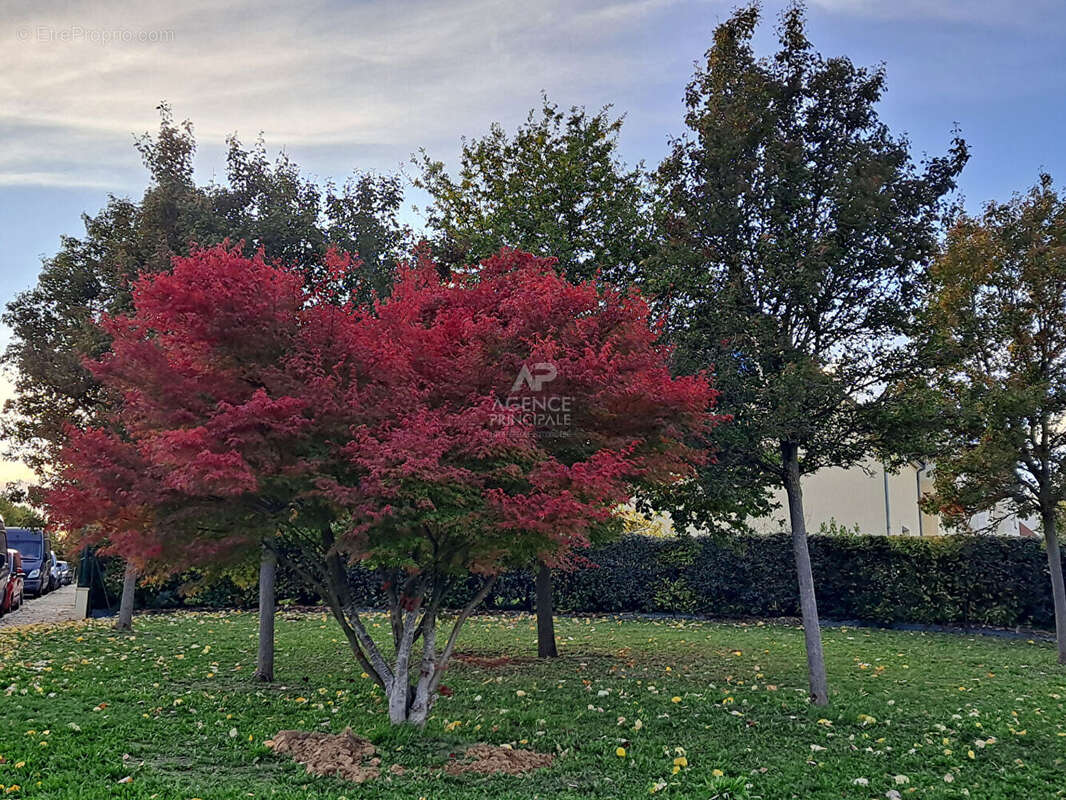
(400, 439)
(19, 515)
(995, 331)
(266, 205)
(794, 230)
(556, 187)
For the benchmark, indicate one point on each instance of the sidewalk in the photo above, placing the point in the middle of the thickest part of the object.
(58, 606)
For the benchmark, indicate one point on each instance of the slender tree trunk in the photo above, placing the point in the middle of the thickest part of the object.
(125, 606)
(408, 703)
(545, 614)
(423, 694)
(1058, 589)
(400, 697)
(414, 610)
(812, 633)
(264, 665)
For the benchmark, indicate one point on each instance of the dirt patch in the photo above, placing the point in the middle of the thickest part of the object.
(343, 755)
(483, 661)
(353, 758)
(487, 759)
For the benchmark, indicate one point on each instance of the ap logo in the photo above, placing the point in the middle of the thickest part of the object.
(543, 372)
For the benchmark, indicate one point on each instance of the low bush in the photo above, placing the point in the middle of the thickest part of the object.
(964, 580)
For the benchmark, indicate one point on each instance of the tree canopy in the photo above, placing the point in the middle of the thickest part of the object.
(20, 515)
(994, 335)
(460, 425)
(264, 205)
(795, 229)
(557, 187)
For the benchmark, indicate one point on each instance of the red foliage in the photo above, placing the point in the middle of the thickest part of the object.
(249, 403)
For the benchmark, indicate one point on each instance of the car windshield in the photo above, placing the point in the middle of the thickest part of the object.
(29, 546)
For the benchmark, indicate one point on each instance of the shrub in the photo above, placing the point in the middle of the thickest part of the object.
(964, 580)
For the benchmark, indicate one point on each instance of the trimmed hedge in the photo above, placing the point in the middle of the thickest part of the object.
(964, 580)
(950, 580)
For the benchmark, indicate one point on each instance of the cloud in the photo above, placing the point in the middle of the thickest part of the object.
(977, 12)
(339, 84)
(380, 77)
(57, 178)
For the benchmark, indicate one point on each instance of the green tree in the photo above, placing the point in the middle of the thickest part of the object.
(19, 515)
(794, 230)
(556, 188)
(996, 334)
(268, 205)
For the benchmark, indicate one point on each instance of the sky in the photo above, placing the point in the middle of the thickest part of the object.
(363, 84)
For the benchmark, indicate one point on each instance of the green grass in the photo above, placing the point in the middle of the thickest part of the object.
(174, 708)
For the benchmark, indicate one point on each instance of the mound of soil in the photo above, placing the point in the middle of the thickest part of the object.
(487, 759)
(353, 758)
(344, 755)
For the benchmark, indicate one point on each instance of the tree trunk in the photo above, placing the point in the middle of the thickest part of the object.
(408, 703)
(808, 604)
(400, 696)
(545, 614)
(125, 606)
(264, 665)
(1058, 589)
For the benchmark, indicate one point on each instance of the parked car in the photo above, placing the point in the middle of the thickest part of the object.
(53, 567)
(66, 574)
(5, 571)
(11, 600)
(36, 558)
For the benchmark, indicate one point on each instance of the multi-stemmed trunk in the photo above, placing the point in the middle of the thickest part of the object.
(1058, 589)
(545, 613)
(411, 678)
(812, 633)
(264, 665)
(414, 616)
(125, 605)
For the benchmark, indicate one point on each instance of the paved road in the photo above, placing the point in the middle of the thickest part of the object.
(57, 606)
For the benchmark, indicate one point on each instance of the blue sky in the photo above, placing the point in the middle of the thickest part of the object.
(343, 85)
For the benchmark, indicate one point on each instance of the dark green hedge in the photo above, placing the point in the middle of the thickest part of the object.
(967, 580)
(963, 580)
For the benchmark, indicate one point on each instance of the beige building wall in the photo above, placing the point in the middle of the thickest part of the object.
(871, 498)
(875, 501)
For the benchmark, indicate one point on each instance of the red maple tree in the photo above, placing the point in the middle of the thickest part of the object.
(460, 426)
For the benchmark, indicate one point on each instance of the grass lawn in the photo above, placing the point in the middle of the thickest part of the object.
(173, 707)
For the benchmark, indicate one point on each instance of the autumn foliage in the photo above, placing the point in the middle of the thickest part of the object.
(254, 407)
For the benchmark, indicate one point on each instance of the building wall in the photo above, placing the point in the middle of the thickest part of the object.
(869, 497)
(930, 522)
(855, 498)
